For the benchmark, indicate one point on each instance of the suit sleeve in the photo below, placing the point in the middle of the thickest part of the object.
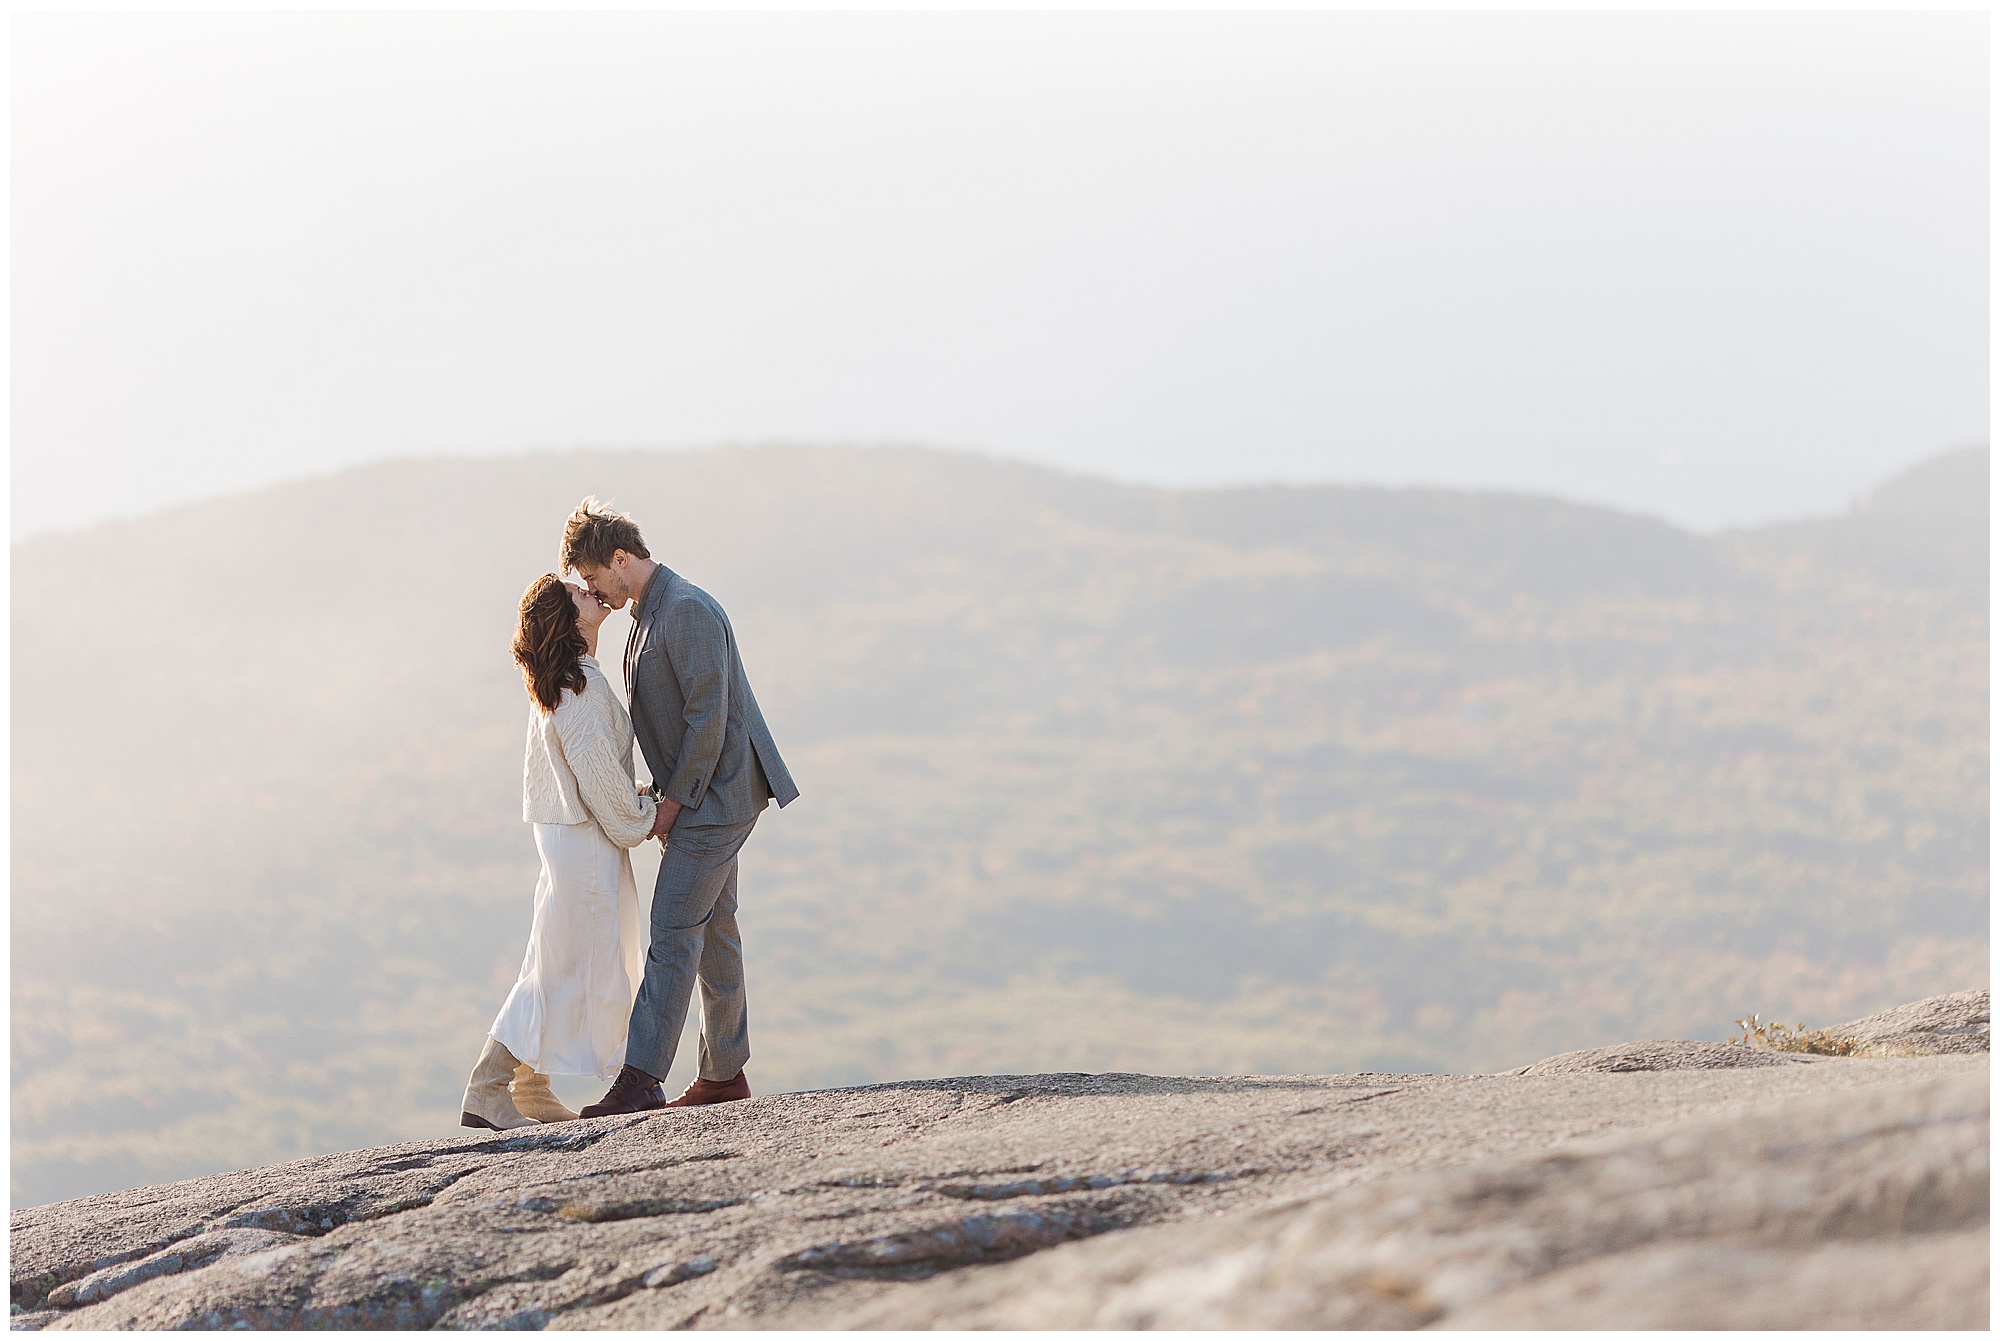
(698, 656)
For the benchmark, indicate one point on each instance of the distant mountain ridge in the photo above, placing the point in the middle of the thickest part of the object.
(1094, 778)
(1929, 527)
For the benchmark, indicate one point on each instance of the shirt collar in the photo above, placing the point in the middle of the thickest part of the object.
(646, 592)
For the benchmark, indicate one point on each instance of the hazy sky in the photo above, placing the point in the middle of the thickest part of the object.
(1721, 267)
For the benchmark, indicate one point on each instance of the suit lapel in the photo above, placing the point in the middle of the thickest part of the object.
(656, 590)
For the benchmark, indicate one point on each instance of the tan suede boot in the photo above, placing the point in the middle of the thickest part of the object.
(533, 1096)
(487, 1103)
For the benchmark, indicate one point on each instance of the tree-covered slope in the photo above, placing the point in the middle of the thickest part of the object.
(1094, 778)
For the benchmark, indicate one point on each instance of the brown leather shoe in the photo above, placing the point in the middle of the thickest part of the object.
(712, 1092)
(633, 1092)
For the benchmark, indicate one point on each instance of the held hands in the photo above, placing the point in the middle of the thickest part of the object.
(664, 818)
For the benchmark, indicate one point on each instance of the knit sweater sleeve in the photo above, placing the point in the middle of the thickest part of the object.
(585, 727)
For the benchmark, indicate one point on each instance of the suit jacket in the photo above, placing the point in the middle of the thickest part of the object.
(698, 724)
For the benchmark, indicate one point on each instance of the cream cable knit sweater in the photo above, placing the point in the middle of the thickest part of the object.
(579, 764)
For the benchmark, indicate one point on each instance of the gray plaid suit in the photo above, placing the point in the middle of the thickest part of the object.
(706, 745)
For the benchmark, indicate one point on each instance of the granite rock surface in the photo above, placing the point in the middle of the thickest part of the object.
(1565, 1197)
(1857, 1210)
(1955, 1022)
(1662, 1054)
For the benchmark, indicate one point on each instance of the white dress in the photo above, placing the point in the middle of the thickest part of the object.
(569, 1010)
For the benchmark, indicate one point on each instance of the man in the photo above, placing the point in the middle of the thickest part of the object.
(714, 770)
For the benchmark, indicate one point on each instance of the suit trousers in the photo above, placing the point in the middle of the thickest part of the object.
(694, 940)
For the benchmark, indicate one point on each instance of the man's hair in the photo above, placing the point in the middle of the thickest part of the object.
(594, 533)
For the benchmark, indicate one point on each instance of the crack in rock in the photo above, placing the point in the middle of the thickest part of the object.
(530, 1304)
(651, 1166)
(32, 1291)
(1043, 1187)
(640, 1208)
(980, 1238)
(841, 1178)
(560, 1142)
(188, 1254)
(312, 1219)
(673, 1274)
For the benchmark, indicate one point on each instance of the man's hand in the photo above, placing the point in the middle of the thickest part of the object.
(663, 820)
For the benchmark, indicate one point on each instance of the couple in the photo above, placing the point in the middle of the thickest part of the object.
(714, 769)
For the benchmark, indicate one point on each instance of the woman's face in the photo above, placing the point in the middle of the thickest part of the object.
(590, 611)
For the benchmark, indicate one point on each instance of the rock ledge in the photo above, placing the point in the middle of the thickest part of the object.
(1619, 1187)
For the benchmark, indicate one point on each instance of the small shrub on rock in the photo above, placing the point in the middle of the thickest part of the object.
(1794, 1038)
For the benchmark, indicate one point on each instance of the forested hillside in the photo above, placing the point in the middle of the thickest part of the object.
(1094, 778)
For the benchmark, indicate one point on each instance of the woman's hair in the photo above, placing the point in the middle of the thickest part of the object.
(548, 646)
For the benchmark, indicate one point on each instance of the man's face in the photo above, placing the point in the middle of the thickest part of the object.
(614, 583)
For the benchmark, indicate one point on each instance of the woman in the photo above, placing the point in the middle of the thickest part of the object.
(568, 1013)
